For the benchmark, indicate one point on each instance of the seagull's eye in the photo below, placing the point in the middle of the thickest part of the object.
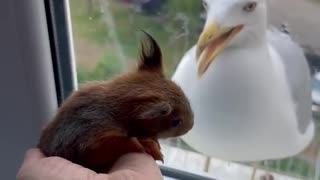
(250, 7)
(205, 5)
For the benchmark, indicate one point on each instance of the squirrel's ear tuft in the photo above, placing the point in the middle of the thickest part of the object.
(150, 55)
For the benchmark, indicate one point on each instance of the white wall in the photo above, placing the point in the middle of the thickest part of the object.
(27, 91)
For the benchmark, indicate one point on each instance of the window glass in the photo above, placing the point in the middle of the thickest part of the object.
(107, 37)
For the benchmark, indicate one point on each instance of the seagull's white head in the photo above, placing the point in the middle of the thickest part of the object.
(230, 24)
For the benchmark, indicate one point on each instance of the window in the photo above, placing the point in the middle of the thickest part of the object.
(106, 34)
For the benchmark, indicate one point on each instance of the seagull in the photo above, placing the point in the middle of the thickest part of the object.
(249, 86)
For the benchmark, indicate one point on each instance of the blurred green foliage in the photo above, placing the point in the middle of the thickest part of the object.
(176, 29)
(192, 8)
(105, 68)
(291, 166)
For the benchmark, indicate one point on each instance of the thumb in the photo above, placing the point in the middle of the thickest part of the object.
(136, 166)
(32, 155)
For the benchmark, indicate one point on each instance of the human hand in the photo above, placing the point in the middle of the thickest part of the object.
(133, 166)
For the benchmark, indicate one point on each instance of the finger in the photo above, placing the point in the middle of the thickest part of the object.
(32, 155)
(138, 164)
(133, 161)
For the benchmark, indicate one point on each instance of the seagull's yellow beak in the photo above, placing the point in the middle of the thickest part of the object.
(213, 41)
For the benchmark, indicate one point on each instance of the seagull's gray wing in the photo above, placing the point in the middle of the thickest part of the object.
(297, 74)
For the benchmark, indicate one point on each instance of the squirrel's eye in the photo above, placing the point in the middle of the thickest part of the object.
(164, 112)
(205, 5)
(250, 7)
(175, 123)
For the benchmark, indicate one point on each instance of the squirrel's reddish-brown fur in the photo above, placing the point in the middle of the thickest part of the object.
(104, 120)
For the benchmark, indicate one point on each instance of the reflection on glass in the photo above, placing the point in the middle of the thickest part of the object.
(107, 34)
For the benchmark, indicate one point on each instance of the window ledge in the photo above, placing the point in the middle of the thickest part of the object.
(198, 164)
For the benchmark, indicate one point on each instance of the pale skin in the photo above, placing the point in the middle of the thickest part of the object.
(133, 166)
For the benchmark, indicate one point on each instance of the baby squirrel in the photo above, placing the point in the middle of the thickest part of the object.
(104, 120)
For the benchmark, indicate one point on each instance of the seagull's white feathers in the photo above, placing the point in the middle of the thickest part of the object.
(254, 101)
(297, 74)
